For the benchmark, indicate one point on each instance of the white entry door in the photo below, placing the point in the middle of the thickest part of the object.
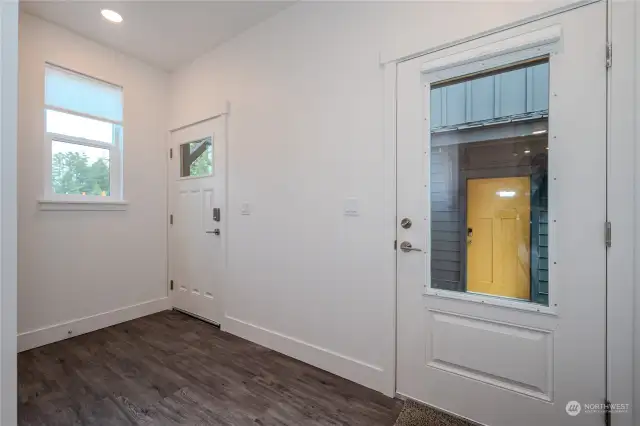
(197, 216)
(501, 172)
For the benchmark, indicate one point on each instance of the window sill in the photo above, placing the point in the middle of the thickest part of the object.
(82, 205)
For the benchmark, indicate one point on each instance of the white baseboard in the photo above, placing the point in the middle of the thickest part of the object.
(54, 333)
(368, 375)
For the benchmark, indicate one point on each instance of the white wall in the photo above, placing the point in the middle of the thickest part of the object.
(305, 132)
(8, 210)
(73, 265)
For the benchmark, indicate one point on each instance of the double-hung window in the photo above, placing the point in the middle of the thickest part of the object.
(83, 137)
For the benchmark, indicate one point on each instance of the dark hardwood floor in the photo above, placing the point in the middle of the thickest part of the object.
(171, 369)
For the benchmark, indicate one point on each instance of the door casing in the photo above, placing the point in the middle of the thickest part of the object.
(173, 155)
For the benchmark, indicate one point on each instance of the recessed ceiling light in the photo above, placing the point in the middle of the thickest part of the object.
(538, 132)
(111, 15)
(526, 151)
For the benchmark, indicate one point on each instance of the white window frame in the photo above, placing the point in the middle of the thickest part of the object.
(115, 199)
(213, 171)
(501, 54)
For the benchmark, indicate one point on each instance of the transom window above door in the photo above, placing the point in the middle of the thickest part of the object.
(489, 184)
(83, 137)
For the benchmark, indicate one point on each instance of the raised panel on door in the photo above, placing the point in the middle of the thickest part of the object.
(527, 368)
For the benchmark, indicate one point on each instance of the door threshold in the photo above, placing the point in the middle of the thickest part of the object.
(208, 321)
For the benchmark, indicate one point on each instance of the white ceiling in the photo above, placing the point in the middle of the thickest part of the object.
(167, 34)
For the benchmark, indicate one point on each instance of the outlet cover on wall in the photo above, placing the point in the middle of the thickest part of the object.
(245, 208)
(351, 207)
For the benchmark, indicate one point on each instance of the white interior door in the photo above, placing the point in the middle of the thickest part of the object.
(501, 167)
(197, 208)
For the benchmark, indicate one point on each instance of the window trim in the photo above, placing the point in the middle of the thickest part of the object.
(82, 205)
(116, 191)
(490, 57)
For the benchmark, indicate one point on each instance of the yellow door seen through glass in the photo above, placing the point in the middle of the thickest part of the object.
(498, 236)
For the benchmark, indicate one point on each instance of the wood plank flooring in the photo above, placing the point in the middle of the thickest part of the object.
(171, 369)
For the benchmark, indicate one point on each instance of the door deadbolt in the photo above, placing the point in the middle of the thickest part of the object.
(405, 223)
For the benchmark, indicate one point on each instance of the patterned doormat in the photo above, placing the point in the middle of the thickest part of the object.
(414, 414)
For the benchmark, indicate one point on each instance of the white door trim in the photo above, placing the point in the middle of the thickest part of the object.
(390, 211)
(623, 207)
(543, 41)
(211, 117)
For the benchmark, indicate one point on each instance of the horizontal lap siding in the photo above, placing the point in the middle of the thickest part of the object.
(445, 220)
(543, 259)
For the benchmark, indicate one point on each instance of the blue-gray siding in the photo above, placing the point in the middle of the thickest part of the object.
(541, 290)
(520, 91)
(446, 258)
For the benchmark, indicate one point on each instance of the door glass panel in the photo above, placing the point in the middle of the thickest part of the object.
(488, 184)
(196, 158)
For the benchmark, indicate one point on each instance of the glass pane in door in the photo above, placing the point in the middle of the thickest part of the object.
(488, 184)
(196, 158)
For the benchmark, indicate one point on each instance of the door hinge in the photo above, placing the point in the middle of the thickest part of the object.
(607, 412)
(170, 219)
(171, 284)
(395, 244)
(170, 152)
(607, 234)
(609, 55)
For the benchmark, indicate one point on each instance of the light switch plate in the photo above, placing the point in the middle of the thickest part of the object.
(351, 207)
(245, 209)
